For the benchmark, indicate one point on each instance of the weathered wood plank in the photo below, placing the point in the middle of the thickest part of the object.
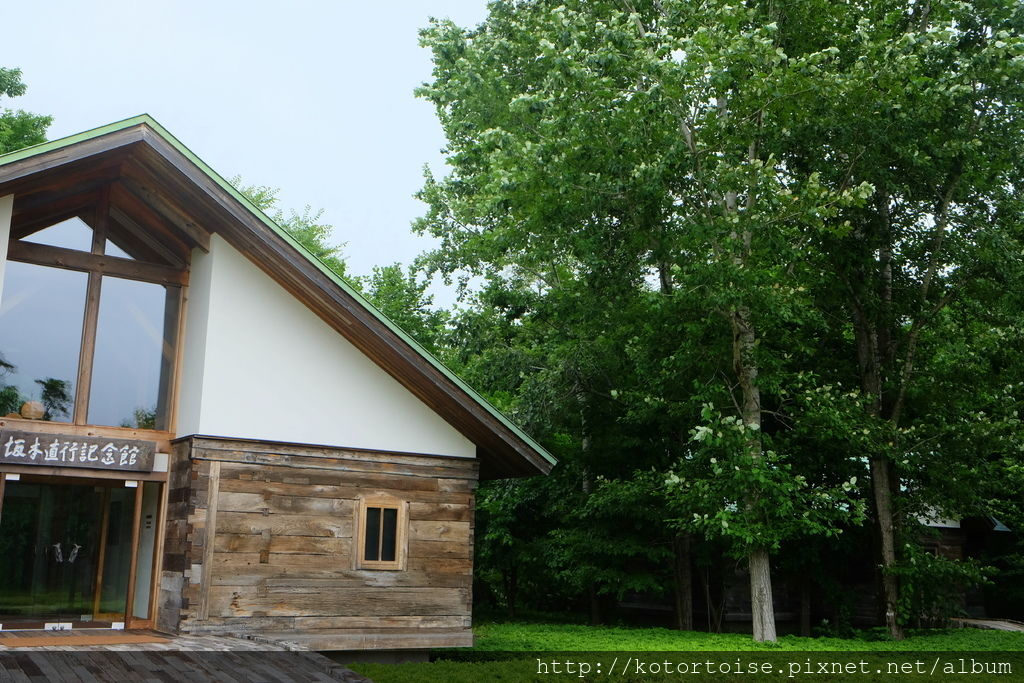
(242, 461)
(230, 501)
(447, 621)
(440, 512)
(302, 624)
(441, 565)
(240, 561)
(228, 601)
(283, 524)
(376, 640)
(305, 545)
(439, 549)
(306, 579)
(451, 532)
(270, 489)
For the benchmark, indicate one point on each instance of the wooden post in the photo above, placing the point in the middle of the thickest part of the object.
(133, 566)
(102, 552)
(206, 577)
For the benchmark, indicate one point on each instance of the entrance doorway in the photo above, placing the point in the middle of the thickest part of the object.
(66, 552)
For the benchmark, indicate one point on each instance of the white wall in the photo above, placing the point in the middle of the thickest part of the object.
(258, 364)
(6, 207)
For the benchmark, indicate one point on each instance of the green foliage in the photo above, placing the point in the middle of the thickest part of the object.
(932, 585)
(631, 180)
(580, 638)
(306, 227)
(56, 397)
(142, 418)
(402, 296)
(18, 128)
(785, 506)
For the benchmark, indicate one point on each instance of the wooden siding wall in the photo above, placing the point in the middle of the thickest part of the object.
(280, 559)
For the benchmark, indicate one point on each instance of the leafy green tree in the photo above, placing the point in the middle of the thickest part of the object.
(402, 296)
(306, 227)
(925, 100)
(56, 397)
(18, 128)
(600, 150)
(802, 187)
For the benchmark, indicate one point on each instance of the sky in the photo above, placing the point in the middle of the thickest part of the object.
(314, 97)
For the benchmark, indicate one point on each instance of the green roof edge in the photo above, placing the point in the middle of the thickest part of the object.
(148, 120)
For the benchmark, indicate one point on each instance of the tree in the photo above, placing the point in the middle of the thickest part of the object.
(604, 148)
(18, 128)
(402, 296)
(739, 174)
(926, 106)
(305, 227)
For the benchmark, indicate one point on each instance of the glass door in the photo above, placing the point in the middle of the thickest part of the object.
(65, 551)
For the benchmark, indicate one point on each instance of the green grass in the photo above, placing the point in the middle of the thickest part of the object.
(587, 642)
(573, 637)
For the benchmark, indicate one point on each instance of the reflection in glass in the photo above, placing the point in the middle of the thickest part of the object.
(70, 234)
(65, 552)
(372, 548)
(40, 338)
(134, 349)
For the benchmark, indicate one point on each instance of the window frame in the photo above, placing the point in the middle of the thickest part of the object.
(359, 560)
(96, 264)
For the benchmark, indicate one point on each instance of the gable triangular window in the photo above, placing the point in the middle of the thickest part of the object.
(72, 233)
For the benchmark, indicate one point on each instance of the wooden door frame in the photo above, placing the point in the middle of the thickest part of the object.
(108, 485)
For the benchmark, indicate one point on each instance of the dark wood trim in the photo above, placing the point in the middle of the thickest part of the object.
(176, 256)
(80, 474)
(3, 483)
(133, 566)
(145, 189)
(92, 308)
(176, 368)
(59, 257)
(162, 439)
(26, 225)
(88, 350)
(101, 561)
(104, 145)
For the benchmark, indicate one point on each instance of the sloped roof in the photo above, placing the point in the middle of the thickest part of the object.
(163, 178)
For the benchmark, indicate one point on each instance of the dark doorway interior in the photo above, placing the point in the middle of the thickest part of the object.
(65, 553)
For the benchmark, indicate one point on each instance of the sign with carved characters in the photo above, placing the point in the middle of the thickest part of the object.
(63, 450)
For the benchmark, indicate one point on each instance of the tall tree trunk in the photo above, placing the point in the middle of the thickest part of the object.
(761, 607)
(874, 348)
(882, 485)
(746, 368)
(683, 582)
(595, 604)
(511, 577)
(805, 608)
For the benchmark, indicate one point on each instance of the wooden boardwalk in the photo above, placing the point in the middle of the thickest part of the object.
(186, 658)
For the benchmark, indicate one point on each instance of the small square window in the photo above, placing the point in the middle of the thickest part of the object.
(380, 541)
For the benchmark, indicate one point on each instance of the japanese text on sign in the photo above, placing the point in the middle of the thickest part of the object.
(56, 450)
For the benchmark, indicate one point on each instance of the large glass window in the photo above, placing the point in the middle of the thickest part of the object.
(40, 338)
(85, 338)
(134, 353)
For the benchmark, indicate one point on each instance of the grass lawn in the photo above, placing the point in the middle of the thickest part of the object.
(791, 655)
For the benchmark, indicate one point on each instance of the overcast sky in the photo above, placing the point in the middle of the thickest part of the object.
(314, 97)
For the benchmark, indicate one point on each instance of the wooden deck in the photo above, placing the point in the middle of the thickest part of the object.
(186, 658)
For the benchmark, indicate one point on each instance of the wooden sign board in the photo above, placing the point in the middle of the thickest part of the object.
(62, 450)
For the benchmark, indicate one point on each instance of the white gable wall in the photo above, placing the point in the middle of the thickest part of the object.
(258, 364)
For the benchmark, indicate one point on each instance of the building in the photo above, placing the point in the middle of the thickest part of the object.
(206, 430)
